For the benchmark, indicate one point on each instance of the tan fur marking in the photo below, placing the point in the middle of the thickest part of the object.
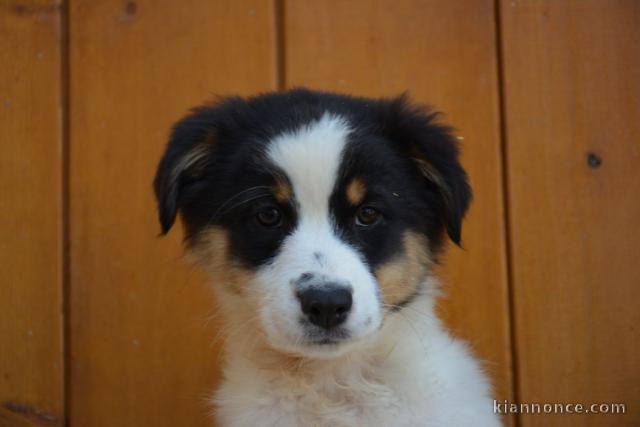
(400, 278)
(430, 172)
(356, 191)
(211, 249)
(192, 162)
(282, 191)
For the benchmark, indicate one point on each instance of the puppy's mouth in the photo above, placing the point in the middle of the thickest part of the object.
(322, 337)
(314, 342)
(324, 342)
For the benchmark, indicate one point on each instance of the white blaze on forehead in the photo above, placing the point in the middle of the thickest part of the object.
(310, 156)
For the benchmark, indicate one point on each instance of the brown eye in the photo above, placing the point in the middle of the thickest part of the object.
(269, 217)
(367, 216)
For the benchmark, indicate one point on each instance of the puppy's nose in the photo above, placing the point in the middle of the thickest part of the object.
(326, 307)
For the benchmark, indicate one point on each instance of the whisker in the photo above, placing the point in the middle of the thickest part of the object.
(221, 209)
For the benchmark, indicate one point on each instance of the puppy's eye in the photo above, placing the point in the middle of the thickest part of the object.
(270, 217)
(367, 216)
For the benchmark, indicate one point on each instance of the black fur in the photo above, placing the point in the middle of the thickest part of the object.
(392, 144)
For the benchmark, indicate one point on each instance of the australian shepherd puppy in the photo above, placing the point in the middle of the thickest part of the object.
(319, 218)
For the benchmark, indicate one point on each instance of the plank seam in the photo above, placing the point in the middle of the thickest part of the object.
(65, 200)
(280, 44)
(500, 69)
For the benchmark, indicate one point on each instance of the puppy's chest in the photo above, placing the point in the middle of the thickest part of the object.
(351, 397)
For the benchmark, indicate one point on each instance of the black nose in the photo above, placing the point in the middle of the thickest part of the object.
(326, 307)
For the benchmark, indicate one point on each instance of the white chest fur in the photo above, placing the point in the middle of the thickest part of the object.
(414, 374)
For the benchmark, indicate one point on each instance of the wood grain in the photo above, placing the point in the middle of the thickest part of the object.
(143, 345)
(572, 85)
(31, 327)
(444, 53)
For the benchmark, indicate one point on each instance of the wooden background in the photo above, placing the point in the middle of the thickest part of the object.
(104, 324)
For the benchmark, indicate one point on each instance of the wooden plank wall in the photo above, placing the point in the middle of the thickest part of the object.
(78, 215)
(572, 92)
(31, 323)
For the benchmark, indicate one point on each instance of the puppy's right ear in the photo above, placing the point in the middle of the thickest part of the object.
(184, 161)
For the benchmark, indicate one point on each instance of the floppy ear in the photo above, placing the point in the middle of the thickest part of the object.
(434, 150)
(184, 161)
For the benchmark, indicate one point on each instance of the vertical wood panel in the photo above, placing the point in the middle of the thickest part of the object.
(31, 359)
(141, 352)
(572, 85)
(444, 53)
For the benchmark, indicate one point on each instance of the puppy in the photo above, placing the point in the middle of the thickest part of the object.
(319, 218)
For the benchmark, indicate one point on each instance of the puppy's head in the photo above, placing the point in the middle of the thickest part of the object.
(319, 214)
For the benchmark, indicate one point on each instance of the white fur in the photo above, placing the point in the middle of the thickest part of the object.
(398, 369)
(310, 157)
(412, 374)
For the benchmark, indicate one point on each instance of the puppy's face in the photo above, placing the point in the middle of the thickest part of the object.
(316, 214)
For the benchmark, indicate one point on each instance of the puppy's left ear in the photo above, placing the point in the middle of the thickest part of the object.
(185, 158)
(434, 150)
